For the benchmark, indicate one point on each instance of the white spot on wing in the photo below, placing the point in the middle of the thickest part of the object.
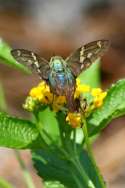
(89, 55)
(34, 56)
(37, 64)
(82, 51)
(18, 52)
(99, 44)
(82, 58)
(82, 66)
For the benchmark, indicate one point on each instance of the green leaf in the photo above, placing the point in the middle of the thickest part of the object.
(113, 107)
(48, 125)
(8, 59)
(4, 183)
(92, 75)
(52, 166)
(17, 133)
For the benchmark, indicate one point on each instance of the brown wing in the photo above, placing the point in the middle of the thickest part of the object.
(32, 60)
(84, 56)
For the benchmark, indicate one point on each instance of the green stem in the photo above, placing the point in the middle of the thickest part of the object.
(78, 165)
(61, 135)
(86, 181)
(79, 185)
(74, 141)
(26, 174)
(90, 153)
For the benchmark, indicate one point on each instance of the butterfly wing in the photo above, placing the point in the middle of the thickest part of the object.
(33, 61)
(84, 56)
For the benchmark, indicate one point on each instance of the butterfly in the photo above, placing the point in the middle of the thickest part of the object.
(61, 74)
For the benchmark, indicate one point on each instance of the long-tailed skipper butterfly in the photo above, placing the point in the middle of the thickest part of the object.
(61, 74)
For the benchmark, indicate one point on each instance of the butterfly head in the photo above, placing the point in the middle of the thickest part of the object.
(57, 63)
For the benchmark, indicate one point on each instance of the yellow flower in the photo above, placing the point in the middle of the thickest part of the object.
(58, 103)
(47, 98)
(99, 96)
(96, 91)
(44, 86)
(74, 119)
(36, 93)
(81, 88)
(42, 93)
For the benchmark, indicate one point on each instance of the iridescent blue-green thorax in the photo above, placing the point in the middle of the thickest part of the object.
(60, 77)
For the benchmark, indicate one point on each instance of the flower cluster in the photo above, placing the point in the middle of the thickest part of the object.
(43, 96)
(97, 96)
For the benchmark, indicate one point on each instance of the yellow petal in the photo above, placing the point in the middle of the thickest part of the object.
(74, 119)
(96, 91)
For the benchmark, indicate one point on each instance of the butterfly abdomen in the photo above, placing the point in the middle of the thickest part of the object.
(61, 78)
(61, 81)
